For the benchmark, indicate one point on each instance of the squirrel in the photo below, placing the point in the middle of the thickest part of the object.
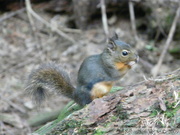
(96, 75)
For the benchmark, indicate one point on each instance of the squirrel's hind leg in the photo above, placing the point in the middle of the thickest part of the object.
(82, 96)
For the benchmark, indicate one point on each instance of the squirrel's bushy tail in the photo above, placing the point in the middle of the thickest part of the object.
(49, 77)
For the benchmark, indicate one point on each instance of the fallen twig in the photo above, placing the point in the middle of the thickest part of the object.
(167, 44)
(3, 128)
(11, 14)
(11, 119)
(54, 21)
(32, 26)
(132, 17)
(62, 34)
(104, 18)
(13, 104)
(30, 18)
(20, 65)
(160, 29)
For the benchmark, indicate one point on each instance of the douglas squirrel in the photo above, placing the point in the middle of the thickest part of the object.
(96, 75)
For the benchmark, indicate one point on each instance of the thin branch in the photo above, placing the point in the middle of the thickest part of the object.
(13, 104)
(104, 18)
(133, 21)
(33, 28)
(167, 44)
(30, 17)
(4, 130)
(11, 14)
(160, 29)
(62, 34)
(55, 20)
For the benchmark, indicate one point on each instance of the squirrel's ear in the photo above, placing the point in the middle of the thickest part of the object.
(115, 37)
(111, 44)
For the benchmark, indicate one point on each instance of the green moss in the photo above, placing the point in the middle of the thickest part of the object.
(150, 46)
(99, 132)
(83, 130)
(114, 89)
(160, 124)
(73, 124)
(120, 113)
(66, 126)
(154, 113)
(114, 118)
(175, 50)
(69, 124)
(106, 124)
(131, 123)
(170, 111)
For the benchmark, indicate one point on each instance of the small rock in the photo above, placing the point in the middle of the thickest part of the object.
(29, 105)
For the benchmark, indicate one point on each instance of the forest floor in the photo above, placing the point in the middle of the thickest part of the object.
(23, 47)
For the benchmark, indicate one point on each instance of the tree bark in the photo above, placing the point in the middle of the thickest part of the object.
(151, 106)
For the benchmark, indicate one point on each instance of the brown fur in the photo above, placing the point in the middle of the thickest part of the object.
(122, 66)
(100, 89)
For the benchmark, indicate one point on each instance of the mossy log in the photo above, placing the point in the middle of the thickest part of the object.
(151, 106)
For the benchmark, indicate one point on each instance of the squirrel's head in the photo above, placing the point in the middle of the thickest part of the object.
(121, 51)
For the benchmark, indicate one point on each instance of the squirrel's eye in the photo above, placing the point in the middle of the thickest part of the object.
(125, 53)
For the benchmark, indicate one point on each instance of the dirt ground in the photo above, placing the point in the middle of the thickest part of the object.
(23, 47)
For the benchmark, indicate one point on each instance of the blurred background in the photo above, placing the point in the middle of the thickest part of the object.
(67, 31)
